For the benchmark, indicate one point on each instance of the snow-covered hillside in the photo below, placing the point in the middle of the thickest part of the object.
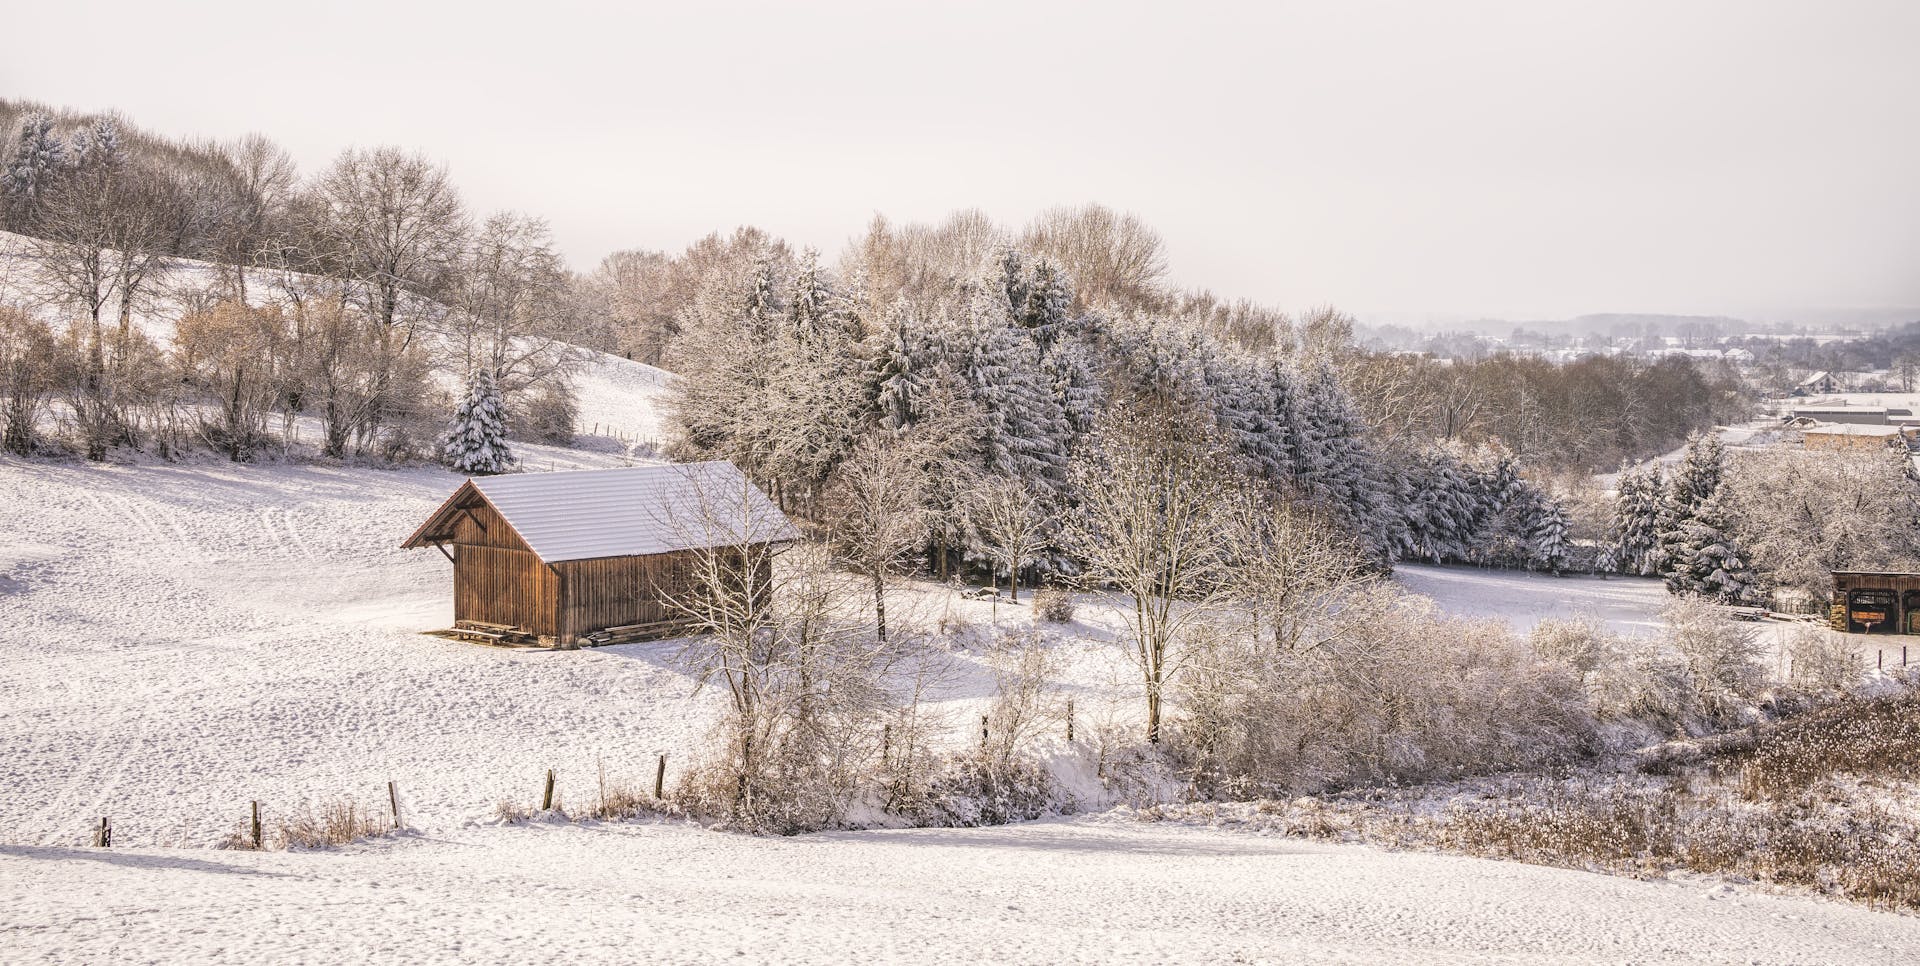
(620, 400)
(1080, 891)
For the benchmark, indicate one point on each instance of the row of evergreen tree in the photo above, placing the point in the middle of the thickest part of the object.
(786, 371)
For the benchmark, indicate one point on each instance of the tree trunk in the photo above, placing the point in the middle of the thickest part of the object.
(880, 605)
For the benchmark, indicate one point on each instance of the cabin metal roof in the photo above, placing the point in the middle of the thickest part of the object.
(625, 512)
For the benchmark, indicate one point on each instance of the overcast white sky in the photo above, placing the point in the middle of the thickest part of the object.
(1408, 160)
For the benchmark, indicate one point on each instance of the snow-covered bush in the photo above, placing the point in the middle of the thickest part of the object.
(1723, 657)
(28, 373)
(1823, 660)
(1053, 605)
(1397, 692)
(1582, 644)
(547, 414)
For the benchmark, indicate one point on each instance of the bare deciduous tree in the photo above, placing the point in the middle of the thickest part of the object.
(1115, 259)
(1011, 520)
(510, 307)
(1154, 485)
(875, 503)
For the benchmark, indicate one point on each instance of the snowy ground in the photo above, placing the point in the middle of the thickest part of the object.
(183, 640)
(1625, 605)
(180, 640)
(1059, 891)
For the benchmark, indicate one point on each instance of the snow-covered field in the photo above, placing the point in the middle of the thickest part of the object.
(181, 640)
(1047, 892)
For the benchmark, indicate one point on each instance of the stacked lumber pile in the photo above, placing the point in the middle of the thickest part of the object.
(630, 633)
(485, 633)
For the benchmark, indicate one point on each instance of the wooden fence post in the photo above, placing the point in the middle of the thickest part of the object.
(546, 801)
(256, 826)
(660, 777)
(393, 798)
(1069, 721)
(103, 836)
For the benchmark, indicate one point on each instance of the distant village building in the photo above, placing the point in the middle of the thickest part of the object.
(1820, 383)
(559, 556)
(1858, 415)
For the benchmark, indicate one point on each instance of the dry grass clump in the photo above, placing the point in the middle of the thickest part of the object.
(1860, 854)
(333, 823)
(1814, 803)
(338, 822)
(1868, 737)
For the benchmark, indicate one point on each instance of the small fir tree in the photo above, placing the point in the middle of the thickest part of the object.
(36, 162)
(1638, 512)
(476, 441)
(1549, 537)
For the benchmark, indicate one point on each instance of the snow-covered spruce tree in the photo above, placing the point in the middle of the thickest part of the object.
(1335, 464)
(1698, 476)
(1549, 536)
(1047, 314)
(1695, 481)
(31, 169)
(1026, 428)
(97, 145)
(1076, 384)
(1507, 509)
(814, 310)
(898, 379)
(476, 441)
(1706, 559)
(1639, 509)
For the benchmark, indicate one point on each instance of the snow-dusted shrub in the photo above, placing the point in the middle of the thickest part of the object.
(1397, 692)
(1643, 679)
(1581, 643)
(981, 788)
(1024, 703)
(1868, 857)
(1822, 659)
(547, 414)
(1723, 657)
(998, 780)
(28, 377)
(1053, 605)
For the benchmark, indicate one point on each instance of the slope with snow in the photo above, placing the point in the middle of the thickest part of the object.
(1045, 892)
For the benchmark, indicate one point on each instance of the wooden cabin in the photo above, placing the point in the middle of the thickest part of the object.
(561, 556)
(1867, 602)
